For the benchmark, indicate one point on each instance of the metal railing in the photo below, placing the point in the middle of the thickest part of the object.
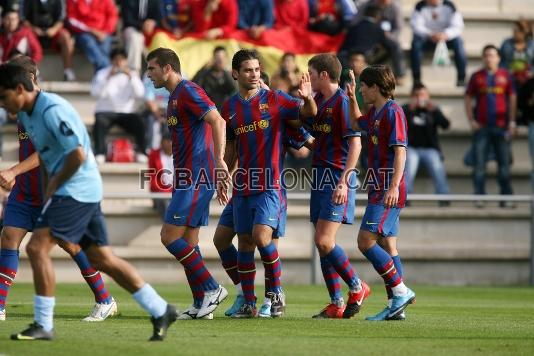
(363, 197)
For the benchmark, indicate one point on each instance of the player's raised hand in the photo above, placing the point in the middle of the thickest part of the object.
(339, 196)
(305, 88)
(351, 86)
(391, 197)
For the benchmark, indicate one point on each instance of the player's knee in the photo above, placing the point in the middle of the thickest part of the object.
(70, 248)
(33, 249)
(324, 247)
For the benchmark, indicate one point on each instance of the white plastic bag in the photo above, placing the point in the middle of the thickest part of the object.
(441, 55)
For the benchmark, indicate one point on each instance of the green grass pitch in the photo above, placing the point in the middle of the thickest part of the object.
(444, 321)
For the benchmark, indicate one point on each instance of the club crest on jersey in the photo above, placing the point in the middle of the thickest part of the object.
(172, 121)
(23, 136)
(174, 103)
(328, 111)
(377, 124)
(264, 107)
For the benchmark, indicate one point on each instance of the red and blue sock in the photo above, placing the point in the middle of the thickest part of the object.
(93, 278)
(192, 261)
(196, 289)
(229, 262)
(9, 264)
(340, 262)
(273, 266)
(247, 275)
(332, 280)
(383, 264)
(398, 265)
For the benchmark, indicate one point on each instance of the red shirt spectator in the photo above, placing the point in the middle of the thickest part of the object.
(17, 38)
(291, 13)
(214, 18)
(87, 15)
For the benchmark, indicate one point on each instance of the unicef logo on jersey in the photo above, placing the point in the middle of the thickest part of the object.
(322, 128)
(172, 121)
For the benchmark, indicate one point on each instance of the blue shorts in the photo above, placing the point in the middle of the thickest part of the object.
(21, 214)
(73, 221)
(380, 220)
(227, 219)
(265, 208)
(190, 206)
(321, 205)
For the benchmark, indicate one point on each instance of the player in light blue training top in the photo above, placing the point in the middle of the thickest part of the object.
(72, 195)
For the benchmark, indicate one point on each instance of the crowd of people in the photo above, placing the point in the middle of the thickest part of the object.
(370, 28)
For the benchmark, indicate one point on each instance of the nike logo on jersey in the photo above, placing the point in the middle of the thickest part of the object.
(335, 214)
(231, 117)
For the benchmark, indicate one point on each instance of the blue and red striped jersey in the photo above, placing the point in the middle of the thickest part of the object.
(386, 128)
(192, 140)
(28, 188)
(331, 127)
(258, 127)
(491, 93)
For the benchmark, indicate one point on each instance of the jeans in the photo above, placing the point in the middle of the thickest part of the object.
(97, 52)
(420, 44)
(499, 139)
(430, 158)
(531, 149)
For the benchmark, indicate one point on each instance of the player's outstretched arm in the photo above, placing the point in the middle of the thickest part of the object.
(73, 162)
(309, 109)
(218, 127)
(391, 197)
(339, 196)
(7, 176)
(355, 112)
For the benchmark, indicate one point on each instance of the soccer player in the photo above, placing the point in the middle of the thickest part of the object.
(386, 129)
(23, 207)
(225, 233)
(332, 202)
(73, 193)
(255, 120)
(198, 140)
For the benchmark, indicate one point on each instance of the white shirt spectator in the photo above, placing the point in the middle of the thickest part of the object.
(427, 19)
(116, 93)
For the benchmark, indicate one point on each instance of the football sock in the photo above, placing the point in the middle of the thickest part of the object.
(340, 262)
(192, 261)
(332, 280)
(196, 289)
(9, 264)
(43, 309)
(273, 266)
(398, 265)
(150, 301)
(385, 267)
(229, 262)
(247, 274)
(93, 278)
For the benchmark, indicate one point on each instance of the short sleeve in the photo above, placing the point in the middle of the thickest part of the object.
(346, 127)
(363, 122)
(399, 130)
(510, 86)
(296, 138)
(65, 133)
(471, 89)
(196, 102)
(289, 106)
(225, 113)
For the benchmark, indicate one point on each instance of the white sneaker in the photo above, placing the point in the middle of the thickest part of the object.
(2, 315)
(69, 75)
(100, 159)
(211, 301)
(191, 313)
(102, 311)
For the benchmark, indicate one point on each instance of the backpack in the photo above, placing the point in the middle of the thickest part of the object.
(120, 150)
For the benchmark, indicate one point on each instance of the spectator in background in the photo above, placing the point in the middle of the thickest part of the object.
(116, 88)
(162, 179)
(492, 120)
(424, 118)
(255, 16)
(288, 75)
(46, 20)
(216, 79)
(526, 103)
(139, 19)
(93, 24)
(331, 16)
(156, 100)
(433, 21)
(368, 37)
(291, 14)
(176, 16)
(390, 18)
(214, 18)
(16, 38)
